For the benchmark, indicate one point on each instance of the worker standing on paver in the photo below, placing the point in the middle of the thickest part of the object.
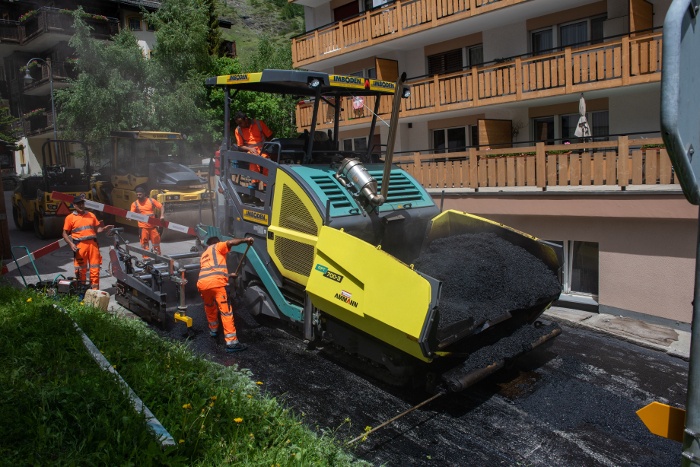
(80, 231)
(148, 206)
(213, 279)
(250, 135)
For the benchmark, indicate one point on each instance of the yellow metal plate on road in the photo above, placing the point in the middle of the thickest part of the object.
(663, 420)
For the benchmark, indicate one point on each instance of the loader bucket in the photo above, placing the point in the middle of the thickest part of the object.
(489, 275)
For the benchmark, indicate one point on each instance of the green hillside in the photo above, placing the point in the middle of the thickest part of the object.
(278, 20)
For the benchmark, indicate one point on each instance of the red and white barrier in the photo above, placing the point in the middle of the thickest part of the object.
(51, 247)
(34, 255)
(94, 205)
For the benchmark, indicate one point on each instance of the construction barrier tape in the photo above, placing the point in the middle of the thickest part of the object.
(36, 254)
(94, 205)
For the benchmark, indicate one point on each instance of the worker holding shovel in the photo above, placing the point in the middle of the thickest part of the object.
(213, 279)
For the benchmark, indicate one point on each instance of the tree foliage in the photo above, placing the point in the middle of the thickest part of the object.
(118, 88)
(10, 130)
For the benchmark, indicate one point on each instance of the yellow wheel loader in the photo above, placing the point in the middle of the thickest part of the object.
(65, 168)
(156, 161)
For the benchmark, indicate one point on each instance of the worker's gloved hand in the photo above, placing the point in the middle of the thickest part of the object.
(232, 275)
(159, 230)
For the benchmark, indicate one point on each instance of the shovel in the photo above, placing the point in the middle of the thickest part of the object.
(233, 286)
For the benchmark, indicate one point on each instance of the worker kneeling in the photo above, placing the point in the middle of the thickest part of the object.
(148, 206)
(213, 279)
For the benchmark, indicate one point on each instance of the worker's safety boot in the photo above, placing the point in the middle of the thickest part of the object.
(235, 347)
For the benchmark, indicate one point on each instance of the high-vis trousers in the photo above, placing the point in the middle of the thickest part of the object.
(216, 300)
(150, 234)
(88, 257)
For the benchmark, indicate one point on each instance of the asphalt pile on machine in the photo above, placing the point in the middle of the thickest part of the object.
(484, 277)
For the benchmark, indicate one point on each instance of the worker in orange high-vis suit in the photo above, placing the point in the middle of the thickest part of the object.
(213, 279)
(148, 206)
(250, 136)
(80, 231)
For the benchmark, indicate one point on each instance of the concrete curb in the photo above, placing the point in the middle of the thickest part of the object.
(674, 342)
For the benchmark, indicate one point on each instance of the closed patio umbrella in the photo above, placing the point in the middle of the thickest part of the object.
(583, 130)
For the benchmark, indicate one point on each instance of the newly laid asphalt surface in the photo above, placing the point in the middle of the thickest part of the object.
(572, 403)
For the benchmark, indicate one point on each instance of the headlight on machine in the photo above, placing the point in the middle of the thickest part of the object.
(172, 197)
(51, 207)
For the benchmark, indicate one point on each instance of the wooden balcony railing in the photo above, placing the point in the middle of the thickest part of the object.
(56, 21)
(398, 19)
(617, 164)
(38, 124)
(10, 31)
(623, 62)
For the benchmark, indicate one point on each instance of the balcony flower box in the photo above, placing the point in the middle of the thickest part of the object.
(34, 113)
(28, 15)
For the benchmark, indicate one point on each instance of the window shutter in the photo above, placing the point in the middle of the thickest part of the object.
(446, 62)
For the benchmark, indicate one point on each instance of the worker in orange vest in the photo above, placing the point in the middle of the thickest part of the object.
(80, 231)
(148, 206)
(250, 136)
(213, 279)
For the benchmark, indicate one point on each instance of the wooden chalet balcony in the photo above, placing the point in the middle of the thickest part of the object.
(398, 19)
(622, 62)
(616, 164)
(51, 20)
(38, 124)
(10, 31)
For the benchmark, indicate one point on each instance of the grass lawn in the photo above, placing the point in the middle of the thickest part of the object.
(59, 407)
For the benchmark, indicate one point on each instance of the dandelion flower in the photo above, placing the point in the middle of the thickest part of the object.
(181, 441)
(29, 300)
(249, 396)
(238, 420)
(187, 406)
(82, 303)
(259, 383)
(213, 398)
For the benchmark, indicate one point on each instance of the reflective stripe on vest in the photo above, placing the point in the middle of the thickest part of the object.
(76, 230)
(138, 210)
(256, 121)
(215, 269)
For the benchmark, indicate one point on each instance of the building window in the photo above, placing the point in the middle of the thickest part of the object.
(600, 125)
(579, 267)
(150, 27)
(372, 4)
(543, 129)
(573, 34)
(597, 121)
(446, 62)
(449, 140)
(542, 41)
(475, 55)
(370, 73)
(134, 23)
(577, 33)
(355, 144)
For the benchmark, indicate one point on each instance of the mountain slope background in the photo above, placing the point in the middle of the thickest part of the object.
(252, 20)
